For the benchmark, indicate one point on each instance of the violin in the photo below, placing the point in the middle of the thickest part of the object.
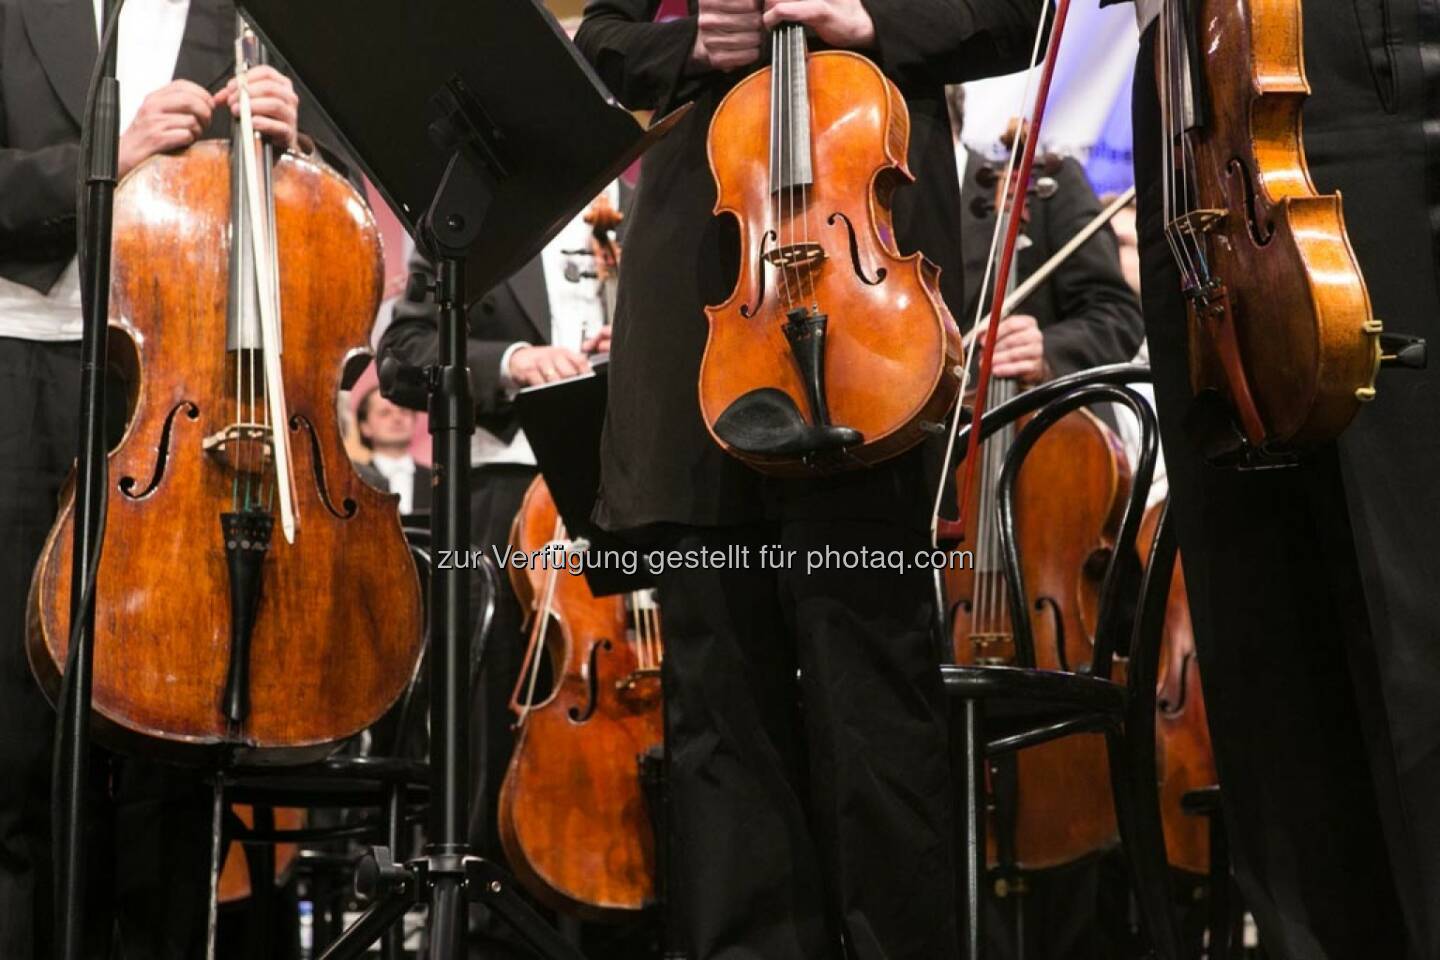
(1070, 496)
(604, 220)
(1283, 342)
(1182, 734)
(256, 599)
(833, 351)
(573, 820)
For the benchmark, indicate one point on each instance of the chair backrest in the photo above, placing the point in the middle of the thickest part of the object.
(1049, 403)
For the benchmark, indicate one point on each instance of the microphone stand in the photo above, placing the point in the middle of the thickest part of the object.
(72, 756)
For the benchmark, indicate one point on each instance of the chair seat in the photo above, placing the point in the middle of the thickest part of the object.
(333, 782)
(1055, 689)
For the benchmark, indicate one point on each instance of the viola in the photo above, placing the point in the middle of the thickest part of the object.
(1283, 341)
(1069, 499)
(572, 816)
(833, 351)
(255, 598)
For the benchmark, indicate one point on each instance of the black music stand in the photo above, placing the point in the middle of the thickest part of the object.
(486, 133)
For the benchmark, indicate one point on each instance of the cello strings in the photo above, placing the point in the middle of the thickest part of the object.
(947, 466)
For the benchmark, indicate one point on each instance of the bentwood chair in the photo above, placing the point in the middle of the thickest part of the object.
(1004, 709)
(366, 794)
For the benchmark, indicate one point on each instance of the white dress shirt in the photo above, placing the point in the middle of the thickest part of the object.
(399, 474)
(576, 314)
(150, 36)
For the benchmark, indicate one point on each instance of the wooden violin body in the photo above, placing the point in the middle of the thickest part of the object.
(1069, 499)
(573, 820)
(1280, 321)
(1182, 733)
(884, 358)
(338, 628)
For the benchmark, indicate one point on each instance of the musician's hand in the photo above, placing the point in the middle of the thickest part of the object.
(170, 118)
(532, 366)
(1020, 349)
(730, 35)
(274, 104)
(840, 23)
(600, 343)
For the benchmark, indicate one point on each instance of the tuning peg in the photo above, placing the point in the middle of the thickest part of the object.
(1400, 350)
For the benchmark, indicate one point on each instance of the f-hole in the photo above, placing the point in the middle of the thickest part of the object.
(592, 684)
(749, 310)
(348, 505)
(1261, 229)
(1048, 603)
(855, 251)
(162, 454)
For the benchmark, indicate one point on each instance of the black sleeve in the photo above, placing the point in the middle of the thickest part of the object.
(37, 196)
(642, 62)
(413, 338)
(927, 42)
(1099, 318)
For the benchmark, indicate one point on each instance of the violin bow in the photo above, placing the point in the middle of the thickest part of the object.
(941, 529)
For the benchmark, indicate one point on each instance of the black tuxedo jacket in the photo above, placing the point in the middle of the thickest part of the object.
(424, 484)
(516, 309)
(47, 51)
(659, 463)
(1086, 310)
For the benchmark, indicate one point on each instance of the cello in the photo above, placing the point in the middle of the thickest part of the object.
(573, 819)
(1182, 734)
(256, 599)
(1069, 499)
(833, 352)
(1284, 346)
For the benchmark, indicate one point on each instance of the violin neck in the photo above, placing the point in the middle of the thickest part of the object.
(789, 111)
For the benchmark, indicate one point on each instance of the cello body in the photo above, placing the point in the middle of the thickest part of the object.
(889, 353)
(1182, 733)
(573, 819)
(338, 627)
(1069, 499)
(1280, 321)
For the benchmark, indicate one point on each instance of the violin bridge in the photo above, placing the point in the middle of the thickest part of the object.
(1197, 222)
(242, 447)
(794, 255)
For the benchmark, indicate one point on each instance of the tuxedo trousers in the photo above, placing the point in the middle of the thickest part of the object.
(809, 776)
(149, 826)
(1313, 588)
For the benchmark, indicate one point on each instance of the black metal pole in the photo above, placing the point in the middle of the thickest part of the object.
(450, 415)
(74, 747)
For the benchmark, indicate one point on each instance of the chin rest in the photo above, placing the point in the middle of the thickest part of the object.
(768, 422)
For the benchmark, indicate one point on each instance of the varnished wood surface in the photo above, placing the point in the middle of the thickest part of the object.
(1182, 733)
(892, 346)
(235, 878)
(338, 632)
(1299, 301)
(574, 821)
(1070, 494)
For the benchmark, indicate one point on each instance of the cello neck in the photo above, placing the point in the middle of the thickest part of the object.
(790, 149)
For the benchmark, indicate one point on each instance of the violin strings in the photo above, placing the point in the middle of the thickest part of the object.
(777, 160)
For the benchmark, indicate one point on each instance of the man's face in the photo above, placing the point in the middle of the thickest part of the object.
(386, 425)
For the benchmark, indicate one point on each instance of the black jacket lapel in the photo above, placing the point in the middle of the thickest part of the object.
(975, 233)
(528, 286)
(63, 34)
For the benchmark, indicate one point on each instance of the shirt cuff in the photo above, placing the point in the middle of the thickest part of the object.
(507, 382)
